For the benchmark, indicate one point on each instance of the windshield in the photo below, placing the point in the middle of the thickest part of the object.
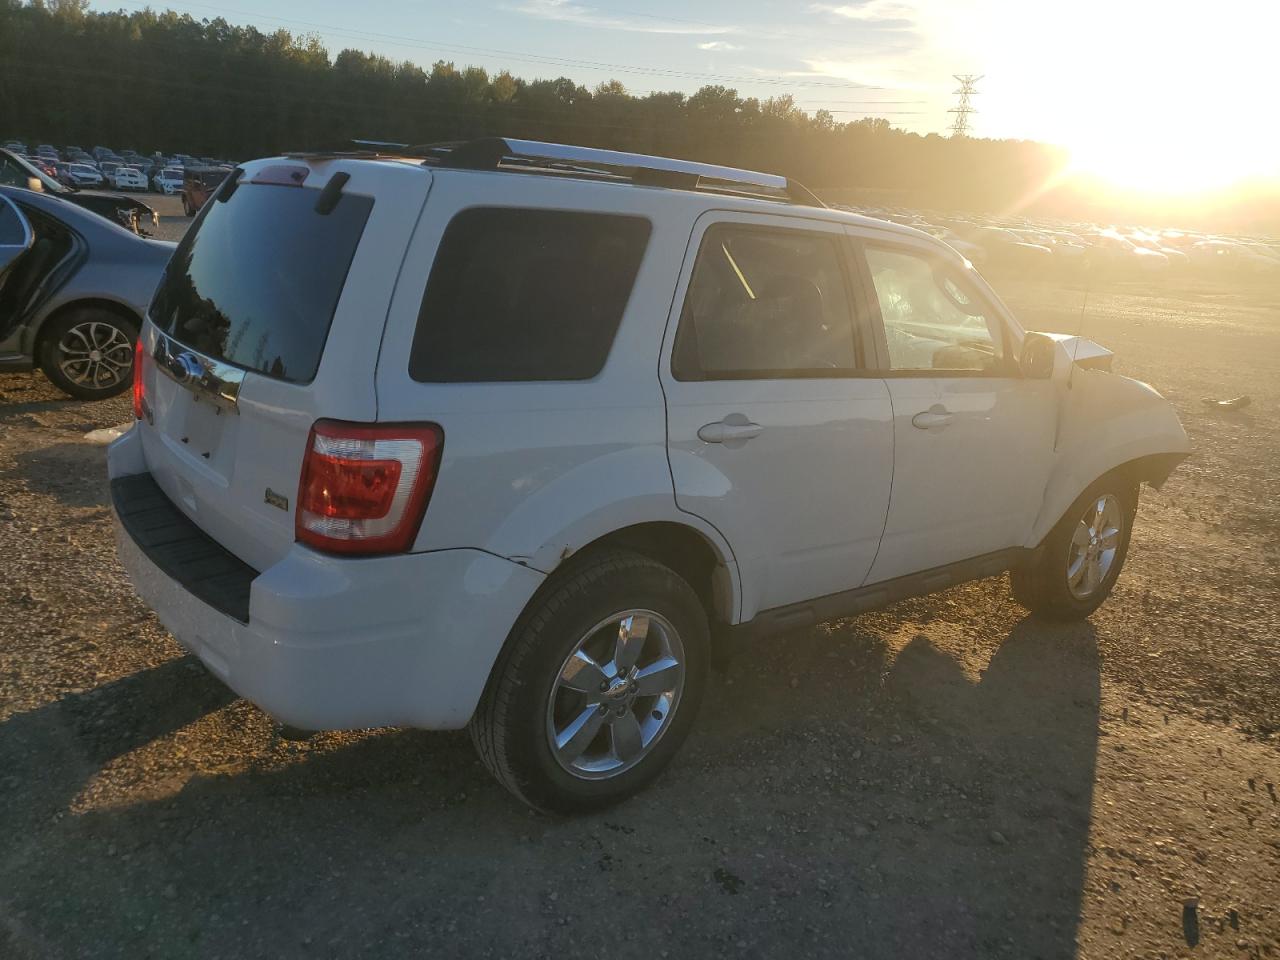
(257, 280)
(171, 174)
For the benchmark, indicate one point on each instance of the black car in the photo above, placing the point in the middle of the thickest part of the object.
(127, 211)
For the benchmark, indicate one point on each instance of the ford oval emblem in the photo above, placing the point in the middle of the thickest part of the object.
(188, 367)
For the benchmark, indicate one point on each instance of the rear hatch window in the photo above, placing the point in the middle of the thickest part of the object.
(256, 280)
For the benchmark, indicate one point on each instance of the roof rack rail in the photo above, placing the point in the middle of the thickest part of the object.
(494, 153)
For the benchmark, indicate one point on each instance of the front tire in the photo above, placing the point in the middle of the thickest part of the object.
(88, 353)
(1073, 572)
(598, 686)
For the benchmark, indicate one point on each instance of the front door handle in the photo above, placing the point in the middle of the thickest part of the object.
(935, 418)
(726, 431)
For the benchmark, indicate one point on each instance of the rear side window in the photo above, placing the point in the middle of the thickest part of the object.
(256, 281)
(522, 294)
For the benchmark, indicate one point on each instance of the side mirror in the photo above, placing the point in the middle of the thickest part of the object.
(1039, 354)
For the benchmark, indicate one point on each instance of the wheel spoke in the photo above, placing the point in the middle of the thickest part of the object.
(1081, 536)
(583, 674)
(577, 736)
(1075, 572)
(632, 632)
(658, 677)
(1093, 575)
(1109, 538)
(1099, 515)
(78, 333)
(625, 736)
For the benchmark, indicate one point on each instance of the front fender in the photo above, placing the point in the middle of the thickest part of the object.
(1105, 422)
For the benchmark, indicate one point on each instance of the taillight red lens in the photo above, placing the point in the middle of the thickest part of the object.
(139, 391)
(364, 487)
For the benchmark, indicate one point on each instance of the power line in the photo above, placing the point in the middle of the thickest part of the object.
(963, 108)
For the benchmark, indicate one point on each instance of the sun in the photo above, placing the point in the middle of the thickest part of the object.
(1168, 97)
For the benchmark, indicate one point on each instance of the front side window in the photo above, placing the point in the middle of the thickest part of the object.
(519, 294)
(931, 320)
(765, 303)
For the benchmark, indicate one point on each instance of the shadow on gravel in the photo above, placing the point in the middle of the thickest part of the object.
(74, 474)
(873, 807)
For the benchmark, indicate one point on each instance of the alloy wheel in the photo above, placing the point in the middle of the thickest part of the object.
(1094, 544)
(95, 354)
(615, 695)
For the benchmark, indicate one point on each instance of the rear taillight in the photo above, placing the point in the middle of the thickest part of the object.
(365, 487)
(139, 391)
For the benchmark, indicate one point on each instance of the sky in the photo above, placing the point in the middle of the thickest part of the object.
(1129, 86)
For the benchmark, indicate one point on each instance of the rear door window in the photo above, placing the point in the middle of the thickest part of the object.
(257, 280)
(766, 303)
(522, 294)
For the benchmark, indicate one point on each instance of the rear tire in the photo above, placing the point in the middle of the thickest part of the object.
(598, 686)
(87, 353)
(1073, 572)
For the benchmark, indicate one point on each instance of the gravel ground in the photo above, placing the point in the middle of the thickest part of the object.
(947, 778)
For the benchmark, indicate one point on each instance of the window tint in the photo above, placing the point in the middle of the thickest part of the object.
(256, 281)
(520, 294)
(931, 321)
(765, 303)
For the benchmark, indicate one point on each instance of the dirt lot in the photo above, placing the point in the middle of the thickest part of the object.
(947, 778)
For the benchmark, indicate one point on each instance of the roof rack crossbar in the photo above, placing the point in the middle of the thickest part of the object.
(489, 153)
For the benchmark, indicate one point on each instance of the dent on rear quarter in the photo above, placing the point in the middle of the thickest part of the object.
(1108, 421)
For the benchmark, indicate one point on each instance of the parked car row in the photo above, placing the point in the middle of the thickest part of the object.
(1045, 246)
(130, 212)
(127, 170)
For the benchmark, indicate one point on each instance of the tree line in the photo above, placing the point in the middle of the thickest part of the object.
(162, 80)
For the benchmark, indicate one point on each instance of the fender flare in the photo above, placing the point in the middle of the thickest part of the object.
(1108, 423)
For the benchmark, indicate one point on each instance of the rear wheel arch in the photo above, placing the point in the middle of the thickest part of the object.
(95, 303)
(688, 552)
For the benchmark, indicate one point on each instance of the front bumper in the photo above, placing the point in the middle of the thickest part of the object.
(338, 643)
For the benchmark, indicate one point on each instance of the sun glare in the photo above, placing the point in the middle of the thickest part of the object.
(1167, 97)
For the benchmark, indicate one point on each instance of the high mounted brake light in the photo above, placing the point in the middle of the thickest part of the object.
(364, 487)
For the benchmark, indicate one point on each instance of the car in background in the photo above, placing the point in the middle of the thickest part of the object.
(46, 165)
(168, 181)
(130, 212)
(73, 299)
(129, 178)
(109, 167)
(17, 146)
(83, 175)
(198, 184)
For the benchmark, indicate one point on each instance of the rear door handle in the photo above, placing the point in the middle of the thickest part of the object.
(935, 418)
(724, 431)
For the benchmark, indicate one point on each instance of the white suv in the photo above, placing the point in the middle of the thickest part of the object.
(503, 436)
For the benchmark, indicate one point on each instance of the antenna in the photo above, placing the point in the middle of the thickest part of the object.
(963, 107)
(1084, 305)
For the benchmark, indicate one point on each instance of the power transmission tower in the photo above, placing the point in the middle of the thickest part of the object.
(962, 110)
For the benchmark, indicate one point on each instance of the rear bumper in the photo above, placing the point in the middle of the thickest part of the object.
(335, 643)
